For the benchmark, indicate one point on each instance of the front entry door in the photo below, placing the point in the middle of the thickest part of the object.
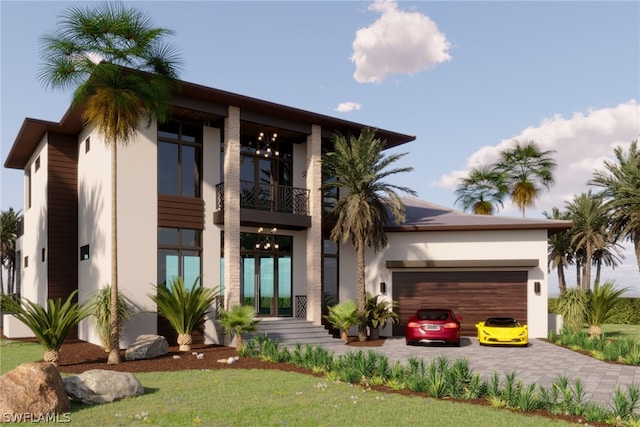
(267, 284)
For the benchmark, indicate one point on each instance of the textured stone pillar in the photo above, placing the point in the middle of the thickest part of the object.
(314, 233)
(232, 208)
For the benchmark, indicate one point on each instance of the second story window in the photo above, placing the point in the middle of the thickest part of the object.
(179, 159)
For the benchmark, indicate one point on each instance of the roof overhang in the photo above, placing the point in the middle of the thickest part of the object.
(463, 263)
(33, 130)
(552, 227)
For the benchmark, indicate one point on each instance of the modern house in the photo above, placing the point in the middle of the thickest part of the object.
(228, 191)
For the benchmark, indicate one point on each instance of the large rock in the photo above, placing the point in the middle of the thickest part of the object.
(102, 386)
(147, 347)
(31, 392)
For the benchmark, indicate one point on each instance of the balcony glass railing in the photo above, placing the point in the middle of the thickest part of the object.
(268, 197)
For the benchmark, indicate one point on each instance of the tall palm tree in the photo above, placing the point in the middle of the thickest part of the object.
(482, 191)
(527, 169)
(360, 169)
(9, 221)
(122, 71)
(589, 231)
(560, 253)
(620, 183)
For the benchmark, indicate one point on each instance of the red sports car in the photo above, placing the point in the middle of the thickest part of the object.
(431, 325)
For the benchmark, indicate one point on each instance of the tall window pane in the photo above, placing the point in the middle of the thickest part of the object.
(167, 168)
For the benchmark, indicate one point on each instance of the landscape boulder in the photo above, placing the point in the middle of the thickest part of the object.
(102, 386)
(31, 392)
(147, 347)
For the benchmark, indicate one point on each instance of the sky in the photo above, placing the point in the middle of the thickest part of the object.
(467, 78)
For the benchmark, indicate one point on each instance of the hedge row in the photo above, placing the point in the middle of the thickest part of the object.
(627, 311)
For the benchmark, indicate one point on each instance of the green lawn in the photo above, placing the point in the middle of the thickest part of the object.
(269, 398)
(621, 331)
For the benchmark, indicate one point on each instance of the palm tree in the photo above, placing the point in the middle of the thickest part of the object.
(482, 191)
(183, 308)
(237, 321)
(621, 189)
(360, 168)
(9, 221)
(560, 253)
(601, 306)
(122, 71)
(526, 169)
(50, 325)
(342, 317)
(589, 231)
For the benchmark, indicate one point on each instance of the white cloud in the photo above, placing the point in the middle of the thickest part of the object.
(346, 107)
(397, 43)
(581, 143)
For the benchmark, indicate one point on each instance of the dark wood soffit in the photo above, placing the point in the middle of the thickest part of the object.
(551, 227)
(472, 263)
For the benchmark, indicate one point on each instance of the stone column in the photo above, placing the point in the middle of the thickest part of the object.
(314, 233)
(232, 208)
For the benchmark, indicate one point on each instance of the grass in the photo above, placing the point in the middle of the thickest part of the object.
(269, 398)
(621, 331)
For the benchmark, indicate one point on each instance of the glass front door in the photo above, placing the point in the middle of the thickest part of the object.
(267, 284)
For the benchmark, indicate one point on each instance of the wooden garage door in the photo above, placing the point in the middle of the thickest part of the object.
(474, 295)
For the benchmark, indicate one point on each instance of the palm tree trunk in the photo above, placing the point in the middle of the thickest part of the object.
(598, 269)
(587, 268)
(114, 329)
(362, 296)
(636, 245)
(578, 275)
(562, 283)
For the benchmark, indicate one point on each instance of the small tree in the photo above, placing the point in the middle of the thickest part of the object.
(184, 309)
(378, 313)
(573, 306)
(343, 316)
(237, 321)
(600, 306)
(101, 311)
(51, 325)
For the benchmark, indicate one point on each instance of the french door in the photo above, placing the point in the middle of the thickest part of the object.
(266, 284)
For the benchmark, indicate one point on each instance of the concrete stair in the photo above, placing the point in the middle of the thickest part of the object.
(290, 331)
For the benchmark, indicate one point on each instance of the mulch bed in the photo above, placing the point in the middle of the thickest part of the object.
(78, 356)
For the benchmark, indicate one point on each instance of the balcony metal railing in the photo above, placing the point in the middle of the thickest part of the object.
(268, 197)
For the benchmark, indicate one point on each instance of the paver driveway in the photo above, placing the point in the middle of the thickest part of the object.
(540, 363)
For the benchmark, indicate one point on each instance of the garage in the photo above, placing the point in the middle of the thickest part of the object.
(474, 295)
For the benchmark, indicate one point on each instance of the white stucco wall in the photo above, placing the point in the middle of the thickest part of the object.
(212, 233)
(476, 245)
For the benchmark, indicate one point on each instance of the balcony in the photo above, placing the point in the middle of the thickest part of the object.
(268, 204)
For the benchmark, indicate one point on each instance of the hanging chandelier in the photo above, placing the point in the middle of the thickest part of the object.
(267, 145)
(267, 241)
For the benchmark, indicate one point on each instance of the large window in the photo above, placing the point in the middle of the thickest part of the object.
(330, 271)
(179, 255)
(179, 159)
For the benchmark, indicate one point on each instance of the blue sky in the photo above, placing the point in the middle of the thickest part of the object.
(464, 77)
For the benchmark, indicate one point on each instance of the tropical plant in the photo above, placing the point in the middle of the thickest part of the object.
(573, 306)
(184, 309)
(482, 192)
(50, 325)
(378, 313)
(620, 183)
(343, 316)
(9, 221)
(589, 231)
(122, 71)
(237, 321)
(359, 168)
(601, 305)
(560, 252)
(101, 312)
(526, 170)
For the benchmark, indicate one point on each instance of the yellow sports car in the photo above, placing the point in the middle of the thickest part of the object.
(502, 331)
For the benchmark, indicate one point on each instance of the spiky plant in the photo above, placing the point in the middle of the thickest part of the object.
(102, 313)
(601, 305)
(184, 309)
(343, 316)
(573, 307)
(237, 321)
(50, 325)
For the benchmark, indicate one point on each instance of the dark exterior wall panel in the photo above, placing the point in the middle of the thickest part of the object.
(180, 212)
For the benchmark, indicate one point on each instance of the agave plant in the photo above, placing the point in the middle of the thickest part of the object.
(50, 325)
(237, 321)
(343, 316)
(184, 309)
(102, 313)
